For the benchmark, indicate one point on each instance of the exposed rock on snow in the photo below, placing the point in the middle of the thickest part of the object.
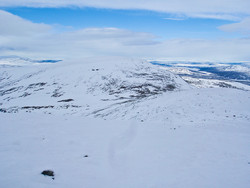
(47, 173)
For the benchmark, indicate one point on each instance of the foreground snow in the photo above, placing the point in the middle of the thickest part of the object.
(120, 123)
(122, 153)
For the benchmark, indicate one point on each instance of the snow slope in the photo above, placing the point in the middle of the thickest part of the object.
(118, 122)
(122, 153)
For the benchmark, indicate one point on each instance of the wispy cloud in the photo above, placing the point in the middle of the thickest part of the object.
(223, 9)
(219, 16)
(175, 19)
(22, 37)
(242, 27)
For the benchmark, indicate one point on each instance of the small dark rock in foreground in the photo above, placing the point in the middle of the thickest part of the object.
(48, 173)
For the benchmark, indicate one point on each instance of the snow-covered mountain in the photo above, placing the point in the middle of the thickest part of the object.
(111, 88)
(120, 122)
(89, 88)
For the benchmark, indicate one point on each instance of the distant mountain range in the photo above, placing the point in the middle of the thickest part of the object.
(20, 61)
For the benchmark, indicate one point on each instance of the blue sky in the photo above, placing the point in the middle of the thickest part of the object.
(162, 25)
(161, 29)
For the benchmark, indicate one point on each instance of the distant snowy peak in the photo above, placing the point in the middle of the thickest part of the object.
(21, 61)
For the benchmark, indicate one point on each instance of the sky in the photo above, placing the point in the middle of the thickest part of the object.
(192, 30)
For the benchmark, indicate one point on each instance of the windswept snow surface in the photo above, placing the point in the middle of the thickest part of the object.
(123, 123)
(122, 153)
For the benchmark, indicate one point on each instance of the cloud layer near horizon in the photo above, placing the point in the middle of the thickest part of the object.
(223, 9)
(22, 37)
(241, 27)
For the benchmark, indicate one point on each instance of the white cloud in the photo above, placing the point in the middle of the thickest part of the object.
(242, 27)
(222, 9)
(211, 50)
(175, 18)
(38, 41)
(14, 25)
(219, 16)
